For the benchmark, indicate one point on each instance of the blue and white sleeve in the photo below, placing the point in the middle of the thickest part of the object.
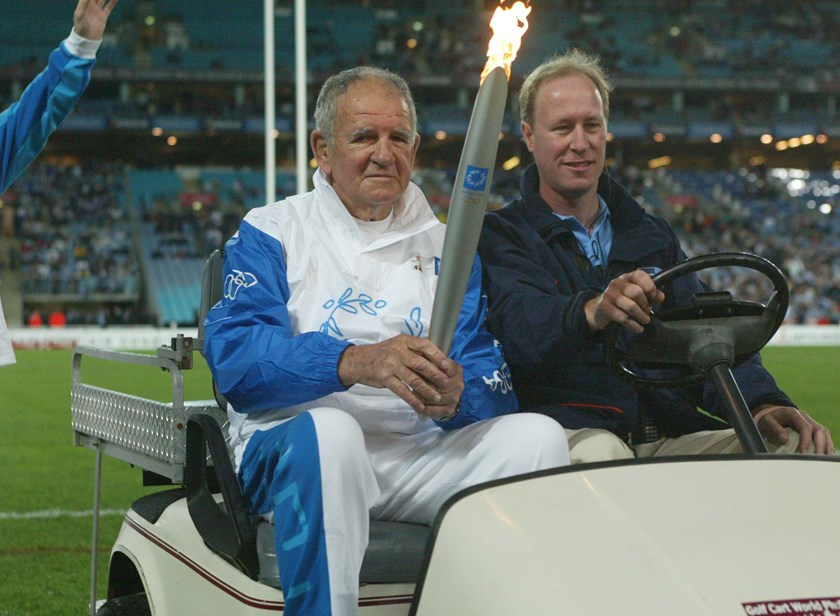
(488, 391)
(27, 123)
(257, 361)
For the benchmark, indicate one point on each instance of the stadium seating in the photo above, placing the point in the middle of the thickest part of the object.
(654, 49)
(785, 215)
(645, 44)
(781, 215)
(702, 38)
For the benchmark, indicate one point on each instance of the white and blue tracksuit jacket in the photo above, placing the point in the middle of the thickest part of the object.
(302, 283)
(26, 124)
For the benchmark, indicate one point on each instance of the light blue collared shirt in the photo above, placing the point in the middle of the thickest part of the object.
(596, 246)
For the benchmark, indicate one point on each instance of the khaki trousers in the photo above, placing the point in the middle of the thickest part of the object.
(595, 445)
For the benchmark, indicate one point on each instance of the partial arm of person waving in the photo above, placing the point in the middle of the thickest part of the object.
(27, 124)
(91, 17)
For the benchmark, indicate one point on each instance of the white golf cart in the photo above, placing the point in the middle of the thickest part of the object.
(749, 534)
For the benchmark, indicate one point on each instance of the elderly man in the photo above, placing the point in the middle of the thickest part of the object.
(340, 407)
(26, 125)
(565, 260)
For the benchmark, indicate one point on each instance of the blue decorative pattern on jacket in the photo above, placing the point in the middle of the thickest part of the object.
(347, 303)
(414, 327)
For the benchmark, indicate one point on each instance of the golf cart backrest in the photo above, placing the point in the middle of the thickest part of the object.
(212, 285)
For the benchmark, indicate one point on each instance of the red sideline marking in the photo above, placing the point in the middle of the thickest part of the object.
(825, 606)
(44, 344)
(593, 406)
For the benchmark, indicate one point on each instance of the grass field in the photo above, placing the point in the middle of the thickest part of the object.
(45, 559)
(46, 494)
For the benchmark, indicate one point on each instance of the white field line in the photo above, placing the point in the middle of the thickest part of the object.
(56, 513)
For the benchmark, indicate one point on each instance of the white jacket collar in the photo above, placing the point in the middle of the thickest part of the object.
(412, 214)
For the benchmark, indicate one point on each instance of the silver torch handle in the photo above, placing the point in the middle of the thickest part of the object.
(467, 206)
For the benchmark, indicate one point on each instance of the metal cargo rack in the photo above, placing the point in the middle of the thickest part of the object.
(142, 432)
(145, 433)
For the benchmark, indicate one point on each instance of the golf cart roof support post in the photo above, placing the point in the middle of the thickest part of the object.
(740, 415)
(94, 553)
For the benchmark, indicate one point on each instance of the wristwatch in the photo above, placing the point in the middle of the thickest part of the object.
(454, 413)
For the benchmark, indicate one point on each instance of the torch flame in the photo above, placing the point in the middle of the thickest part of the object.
(508, 26)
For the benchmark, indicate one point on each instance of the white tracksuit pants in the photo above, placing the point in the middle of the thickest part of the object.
(323, 479)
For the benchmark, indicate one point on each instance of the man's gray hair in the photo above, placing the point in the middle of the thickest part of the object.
(326, 107)
(572, 62)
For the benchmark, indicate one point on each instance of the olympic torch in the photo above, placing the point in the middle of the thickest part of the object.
(475, 173)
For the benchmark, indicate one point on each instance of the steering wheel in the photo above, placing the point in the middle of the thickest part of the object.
(687, 341)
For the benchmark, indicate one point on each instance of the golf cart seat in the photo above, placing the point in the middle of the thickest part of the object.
(395, 549)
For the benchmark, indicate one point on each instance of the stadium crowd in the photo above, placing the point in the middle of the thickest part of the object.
(75, 236)
(74, 232)
(788, 230)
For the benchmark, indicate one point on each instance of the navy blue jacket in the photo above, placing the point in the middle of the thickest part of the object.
(538, 280)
